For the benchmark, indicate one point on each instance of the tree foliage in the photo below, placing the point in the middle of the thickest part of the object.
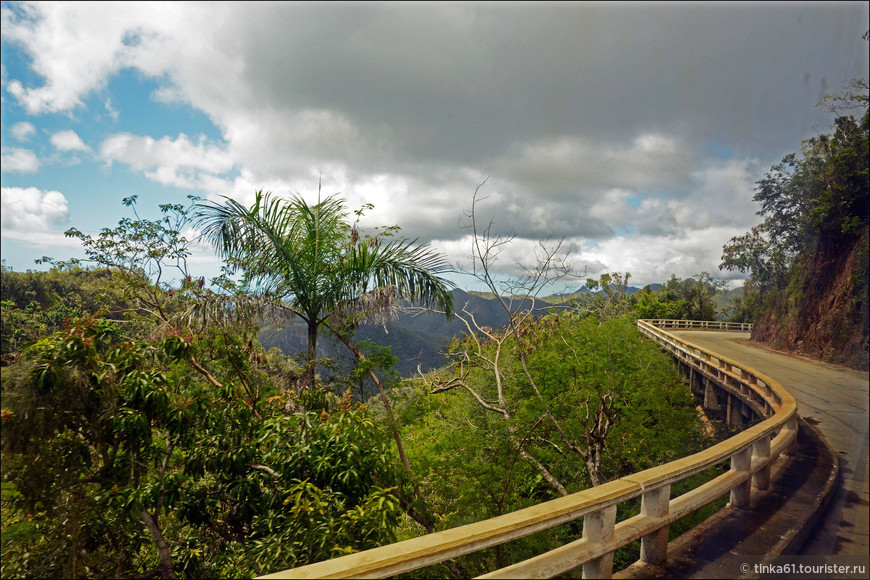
(692, 298)
(147, 433)
(808, 202)
(35, 304)
(815, 207)
(121, 461)
(602, 402)
(546, 405)
(148, 444)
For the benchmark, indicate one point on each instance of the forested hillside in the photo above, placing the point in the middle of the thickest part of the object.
(142, 438)
(414, 338)
(808, 259)
(417, 338)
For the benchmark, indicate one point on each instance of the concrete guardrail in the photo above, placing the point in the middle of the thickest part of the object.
(750, 453)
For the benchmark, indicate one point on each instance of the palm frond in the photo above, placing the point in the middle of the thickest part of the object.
(307, 256)
(412, 270)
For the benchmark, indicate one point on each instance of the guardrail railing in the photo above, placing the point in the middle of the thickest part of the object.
(750, 453)
(701, 324)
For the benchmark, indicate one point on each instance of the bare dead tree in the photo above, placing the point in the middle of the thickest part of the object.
(496, 353)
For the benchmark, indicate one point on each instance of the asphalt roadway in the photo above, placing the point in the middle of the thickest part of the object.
(835, 400)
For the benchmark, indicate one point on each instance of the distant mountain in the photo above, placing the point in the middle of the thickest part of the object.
(418, 340)
(559, 298)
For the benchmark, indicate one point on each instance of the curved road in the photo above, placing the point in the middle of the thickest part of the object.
(835, 400)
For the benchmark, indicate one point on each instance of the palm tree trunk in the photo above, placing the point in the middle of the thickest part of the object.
(308, 375)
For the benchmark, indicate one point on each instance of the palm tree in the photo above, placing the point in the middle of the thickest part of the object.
(312, 260)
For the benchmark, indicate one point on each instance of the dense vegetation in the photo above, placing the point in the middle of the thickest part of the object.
(808, 259)
(598, 402)
(147, 433)
(417, 338)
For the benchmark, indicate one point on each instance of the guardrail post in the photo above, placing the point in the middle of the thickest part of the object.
(711, 401)
(741, 462)
(598, 527)
(655, 503)
(792, 425)
(761, 449)
(728, 410)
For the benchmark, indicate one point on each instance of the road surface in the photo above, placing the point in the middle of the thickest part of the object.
(835, 399)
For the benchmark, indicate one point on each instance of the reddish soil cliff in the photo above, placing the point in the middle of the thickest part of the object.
(824, 315)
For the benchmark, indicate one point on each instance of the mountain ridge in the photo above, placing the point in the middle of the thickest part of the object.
(418, 339)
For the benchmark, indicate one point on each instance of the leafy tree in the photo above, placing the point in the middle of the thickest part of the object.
(337, 487)
(147, 260)
(621, 397)
(517, 298)
(759, 252)
(818, 199)
(699, 296)
(650, 304)
(692, 298)
(584, 378)
(120, 459)
(689, 299)
(145, 253)
(738, 309)
(312, 260)
(35, 304)
(606, 402)
(153, 444)
(505, 374)
(81, 427)
(815, 208)
(610, 300)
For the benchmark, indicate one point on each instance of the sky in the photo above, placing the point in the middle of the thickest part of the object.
(634, 131)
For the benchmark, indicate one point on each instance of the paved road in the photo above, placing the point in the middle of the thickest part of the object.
(835, 399)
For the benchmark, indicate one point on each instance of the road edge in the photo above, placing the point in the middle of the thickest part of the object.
(722, 532)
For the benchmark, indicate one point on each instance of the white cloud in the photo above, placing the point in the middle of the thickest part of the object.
(178, 162)
(16, 160)
(68, 141)
(726, 189)
(570, 166)
(23, 131)
(30, 210)
(76, 47)
(612, 207)
(652, 259)
(47, 240)
(113, 113)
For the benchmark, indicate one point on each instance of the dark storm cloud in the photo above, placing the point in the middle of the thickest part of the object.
(462, 83)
